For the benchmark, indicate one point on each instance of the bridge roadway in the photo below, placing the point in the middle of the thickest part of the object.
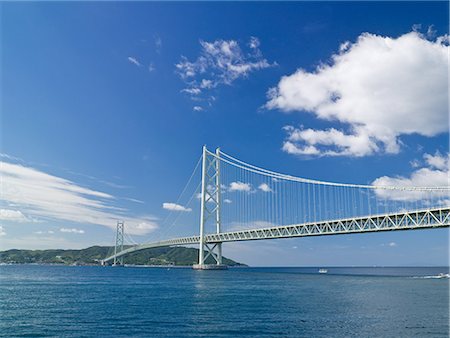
(407, 220)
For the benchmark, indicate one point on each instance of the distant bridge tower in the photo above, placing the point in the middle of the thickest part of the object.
(119, 243)
(210, 210)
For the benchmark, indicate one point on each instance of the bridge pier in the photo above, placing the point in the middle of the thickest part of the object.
(210, 267)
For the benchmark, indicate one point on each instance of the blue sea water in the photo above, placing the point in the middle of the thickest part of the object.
(63, 301)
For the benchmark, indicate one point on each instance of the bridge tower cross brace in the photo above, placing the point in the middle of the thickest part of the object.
(119, 242)
(210, 210)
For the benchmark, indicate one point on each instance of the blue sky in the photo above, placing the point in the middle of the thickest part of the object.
(98, 96)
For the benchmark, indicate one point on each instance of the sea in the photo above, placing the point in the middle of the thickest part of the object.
(94, 301)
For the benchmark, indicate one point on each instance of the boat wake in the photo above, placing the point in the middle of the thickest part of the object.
(440, 276)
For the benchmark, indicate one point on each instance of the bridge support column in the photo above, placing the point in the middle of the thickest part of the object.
(210, 211)
(119, 243)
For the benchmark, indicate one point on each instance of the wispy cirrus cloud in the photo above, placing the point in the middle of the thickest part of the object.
(72, 230)
(390, 244)
(134, 61)
(29, 194)
(378, 88)
(134, 200)
(158, 43)
(42, 232)
(256, 224)
(220, 62)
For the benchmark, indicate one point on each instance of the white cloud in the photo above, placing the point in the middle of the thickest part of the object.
(175, 207)
(415, 163)
(134, 61)
(134, 200)
(264, 187)
(431, 32)
(72, 230)
(437, 174)
(240, 186)
(197, 108)
(151, 67)
(206, 84)
(221, 62)
(41, 232)
(227, 201)
(192, 91)
(308, 141)
(2, 231)
(12, 215)
(41, 195)
(379, 88)
(158, 43)
(236, 226)
(40, 241)
(437, 161)
(390, 244)
(254, 42)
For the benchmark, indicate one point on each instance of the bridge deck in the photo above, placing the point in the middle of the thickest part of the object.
(408, 220)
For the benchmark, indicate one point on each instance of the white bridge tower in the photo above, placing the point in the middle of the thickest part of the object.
(119, 243)
(210, 211)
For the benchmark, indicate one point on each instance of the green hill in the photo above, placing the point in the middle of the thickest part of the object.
(93, 255)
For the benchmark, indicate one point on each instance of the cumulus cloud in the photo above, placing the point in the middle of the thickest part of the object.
(72, 230)
(176, 207)
(240, 186)
(134, 61)
(227, 201)
(264, 187)
(435, 174)
(378, 88)
(44, 196)
(437, 160)
(220, 62)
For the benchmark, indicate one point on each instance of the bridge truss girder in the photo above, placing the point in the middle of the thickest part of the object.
(407, 220)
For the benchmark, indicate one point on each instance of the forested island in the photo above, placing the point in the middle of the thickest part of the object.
(177, 256)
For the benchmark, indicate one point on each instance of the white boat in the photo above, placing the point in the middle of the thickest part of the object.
(323, 270)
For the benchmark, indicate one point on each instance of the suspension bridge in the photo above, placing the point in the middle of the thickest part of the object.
(242, 202)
